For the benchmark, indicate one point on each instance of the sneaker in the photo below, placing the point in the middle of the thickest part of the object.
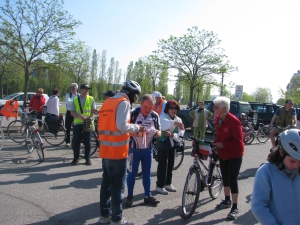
(104, 220)
(161, 190)
(75, 161)
(151, 200)
(88, 162)
(122, 222)
(233, 214)
(170, 188)
(129, 200)
(68, 145)
(224, 204)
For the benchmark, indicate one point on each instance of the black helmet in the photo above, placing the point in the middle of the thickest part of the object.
(132, 86)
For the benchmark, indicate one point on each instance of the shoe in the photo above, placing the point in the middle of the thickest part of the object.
(170, 188)
(161, 190)
(68, 145)
(151, 200)
(122, 222)
(88, 162)
(104, 220)
(233, 214)
(129, 200)
(224, 204)
(75, 161)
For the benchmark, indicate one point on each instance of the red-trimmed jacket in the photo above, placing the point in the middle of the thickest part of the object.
(231, 136)
(37, 102)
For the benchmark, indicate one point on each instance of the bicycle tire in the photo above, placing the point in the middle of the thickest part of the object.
(263, 134)
(248, 138)
(216, 185)
(15, 131)
(28, 141)
(39, 147)
(94, 145)
(1, 138)
(54, 139)
(179, 156)
(191, 192)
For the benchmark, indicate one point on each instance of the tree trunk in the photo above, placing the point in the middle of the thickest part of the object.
(27, 68)
(191, 95)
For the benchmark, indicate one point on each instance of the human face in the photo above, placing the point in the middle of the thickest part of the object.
(291, 163)
(73, 89)
(146, 107)
(219, 110)
(289, 104)
(201, 105)
(172, 110)
(158, 100)
(83, 92)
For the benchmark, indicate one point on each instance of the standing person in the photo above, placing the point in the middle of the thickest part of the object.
(141, 148)
(69, 118)
(160, 104)
(114, 129)
(276, 189)
(172, 128)
(36, 103)
(109, 94)
(200, 117)
(284, 116)
(83, 107)
(230, 147)
(52, 113)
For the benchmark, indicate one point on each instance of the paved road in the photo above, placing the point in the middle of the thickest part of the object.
(56, 193)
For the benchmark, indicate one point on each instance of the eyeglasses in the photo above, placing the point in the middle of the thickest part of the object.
(172, 108)
(290, 103)
(73, 87)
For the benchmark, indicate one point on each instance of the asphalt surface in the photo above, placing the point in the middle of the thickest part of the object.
(56, 193)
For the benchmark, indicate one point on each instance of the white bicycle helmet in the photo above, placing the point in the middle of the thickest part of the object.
(290, 142)
(132, 86)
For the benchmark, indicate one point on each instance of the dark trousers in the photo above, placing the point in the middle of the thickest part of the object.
(68, 122)
(39, 117)
(78, 134)
(165, 167)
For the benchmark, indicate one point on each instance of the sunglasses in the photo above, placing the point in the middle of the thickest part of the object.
(73, 88)
(290, 103)
(172, 108)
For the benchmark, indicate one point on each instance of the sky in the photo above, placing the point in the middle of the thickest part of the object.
(260, 37)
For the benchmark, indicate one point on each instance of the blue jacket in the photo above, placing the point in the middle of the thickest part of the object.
(275, 197)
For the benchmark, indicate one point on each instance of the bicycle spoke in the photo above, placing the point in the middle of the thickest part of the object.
(216, 186)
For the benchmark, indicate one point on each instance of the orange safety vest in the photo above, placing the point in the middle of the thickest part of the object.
(159, 108)
(10, 109)
(114, 144)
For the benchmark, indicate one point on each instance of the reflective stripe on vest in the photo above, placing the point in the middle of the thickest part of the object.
(113, 143)
(86, 108)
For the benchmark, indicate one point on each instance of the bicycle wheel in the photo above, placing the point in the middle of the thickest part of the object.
(39, 147)
(248, 138)
(191, 192)
(216, 185)
(54, 139)
(179, 155)
(263, 134)
(94, 145)
(1, 138)
(16, 131)
(28, 141)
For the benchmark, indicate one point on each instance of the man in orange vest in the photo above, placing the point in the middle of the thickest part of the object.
(113, 130)
(160, 104)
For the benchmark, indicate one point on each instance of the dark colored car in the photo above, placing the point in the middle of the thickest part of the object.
(185, 117)
(265, 111)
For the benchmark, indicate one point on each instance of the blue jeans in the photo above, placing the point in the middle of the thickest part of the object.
(112, 188)
(78, 134)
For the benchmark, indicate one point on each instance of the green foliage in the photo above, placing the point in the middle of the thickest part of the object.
(246, 97)
(262, 94)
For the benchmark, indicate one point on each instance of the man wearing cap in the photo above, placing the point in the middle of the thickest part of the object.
(109, 94)
(83, 107)
(160, 104)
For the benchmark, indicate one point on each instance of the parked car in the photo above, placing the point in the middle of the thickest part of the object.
(19, 97)
(265, 111)
(185, 117)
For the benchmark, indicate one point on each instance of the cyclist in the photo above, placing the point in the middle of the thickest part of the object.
(284, 116)
(36, 103)
(141, 148)
(276, 189)
(109, 94)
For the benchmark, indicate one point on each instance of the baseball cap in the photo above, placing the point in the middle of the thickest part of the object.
(109, 93)
(84, 86)
(156, 94)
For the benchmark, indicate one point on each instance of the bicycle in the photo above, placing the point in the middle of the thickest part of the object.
(1, 138)
(262, 134)
(201, 176)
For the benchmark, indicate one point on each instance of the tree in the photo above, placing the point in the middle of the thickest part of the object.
(225, 69)
(262, 94)
(94, 73)
(34, 28)
(196, 56)
(247, 97)
(154, 69)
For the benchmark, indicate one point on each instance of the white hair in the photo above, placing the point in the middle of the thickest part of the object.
(74, 85)
(223, 102)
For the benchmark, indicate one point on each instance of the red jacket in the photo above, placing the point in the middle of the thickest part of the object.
(36, 103)
(231, 136)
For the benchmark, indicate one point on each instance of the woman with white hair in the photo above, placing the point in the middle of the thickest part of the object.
(69, 118)
(230, 147)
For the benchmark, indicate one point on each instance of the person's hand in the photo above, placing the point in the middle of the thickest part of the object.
(271, 125)
(83, 117)
(142, 129)
(168, 133)
(180, 125)
(95, 111)
(158, 134)
(218, 144)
